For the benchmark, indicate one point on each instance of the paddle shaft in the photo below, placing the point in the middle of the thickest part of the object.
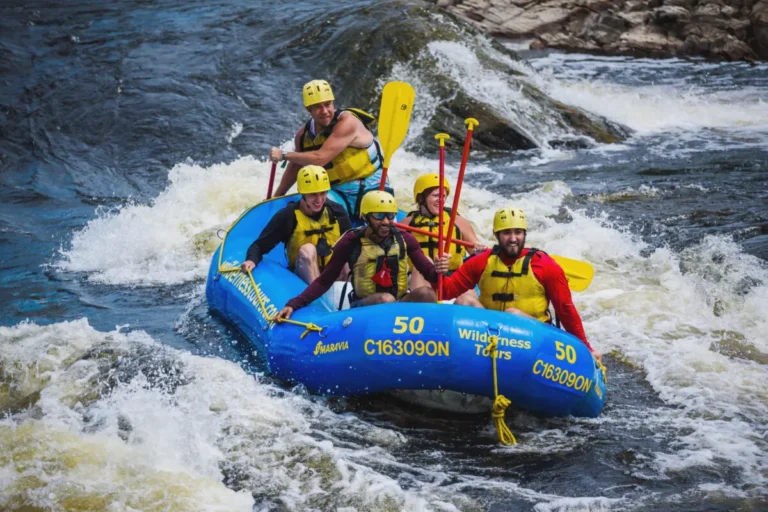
(440, 216)
(471, 123)
(271, 180)
(420, 231)
(383, 178)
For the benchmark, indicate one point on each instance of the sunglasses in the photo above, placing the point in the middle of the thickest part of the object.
(382, 215)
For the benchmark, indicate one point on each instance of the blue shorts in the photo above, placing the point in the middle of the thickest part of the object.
(352, 192)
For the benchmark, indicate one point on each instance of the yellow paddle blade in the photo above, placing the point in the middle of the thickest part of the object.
(394, 116)
(578, 273)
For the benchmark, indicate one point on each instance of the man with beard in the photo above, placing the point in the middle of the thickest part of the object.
(339, 140)
(377, 255)
(514, 279)
(309, 228)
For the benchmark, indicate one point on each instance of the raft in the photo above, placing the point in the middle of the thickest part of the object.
(399, 346)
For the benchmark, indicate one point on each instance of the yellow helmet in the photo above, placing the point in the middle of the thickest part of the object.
(317, 91)
(377, 201)
(312, 179)
(509, 218)
(429, 181)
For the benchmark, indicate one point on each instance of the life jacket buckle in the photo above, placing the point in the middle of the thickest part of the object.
(323, 249)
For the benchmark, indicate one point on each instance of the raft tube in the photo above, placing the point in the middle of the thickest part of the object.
(399, 346)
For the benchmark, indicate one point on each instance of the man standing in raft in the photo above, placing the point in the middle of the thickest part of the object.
(515, 279)
(426, 193)
(338, 140)
(309, 228)
(378, 260)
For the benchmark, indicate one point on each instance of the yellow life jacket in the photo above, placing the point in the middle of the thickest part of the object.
(322, 233)
(502, 287)
(429, 244)
(352, 163)
(367, 258)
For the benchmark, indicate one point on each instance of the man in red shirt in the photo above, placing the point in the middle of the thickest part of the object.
(514, 279)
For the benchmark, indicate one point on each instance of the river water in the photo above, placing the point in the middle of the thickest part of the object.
(131, 131)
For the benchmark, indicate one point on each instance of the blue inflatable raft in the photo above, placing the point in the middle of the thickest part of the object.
(400, 346)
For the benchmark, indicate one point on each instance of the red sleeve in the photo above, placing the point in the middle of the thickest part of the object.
(325, 280)
(552, 278)
(466, 276)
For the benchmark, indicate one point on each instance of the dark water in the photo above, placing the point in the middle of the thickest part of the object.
(131, 132)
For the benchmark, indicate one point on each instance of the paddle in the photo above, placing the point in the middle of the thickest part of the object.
(394, 115)
(442, 138)
(271, 180)
(578, 273)
(471, 122)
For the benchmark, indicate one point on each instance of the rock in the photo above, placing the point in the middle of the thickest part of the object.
(611, 21)
(635, 18)
(759, 19)
(728, 11)
(535, 21)
(565, 42)
(599, 129)
(493, 132)
(660, 28)
(636, 6)
(736, 50)
(644, 39)
(712, 10)
(715, 42)
(671, 14)
(603, 28)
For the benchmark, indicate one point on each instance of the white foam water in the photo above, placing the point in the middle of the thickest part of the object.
(116, 421)
(652, 96)
(692, 322)
(169, 240)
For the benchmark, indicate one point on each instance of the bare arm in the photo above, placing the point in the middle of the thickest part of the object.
(289, 176)
(344, 135)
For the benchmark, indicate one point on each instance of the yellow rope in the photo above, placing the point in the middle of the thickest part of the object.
(605, 373)
(500, 402)
(307, 325)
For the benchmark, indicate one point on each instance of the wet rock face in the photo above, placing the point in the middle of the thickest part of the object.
(397, 35)
(719, 29)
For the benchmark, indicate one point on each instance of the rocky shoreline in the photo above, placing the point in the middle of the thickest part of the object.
(716, 29)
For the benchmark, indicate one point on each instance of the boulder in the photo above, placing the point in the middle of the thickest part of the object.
(733, 49)
(759, 19)
(659, 28)
(646, 39)
(535, 21)
(671, 14)
(707, 10)
(633, 18)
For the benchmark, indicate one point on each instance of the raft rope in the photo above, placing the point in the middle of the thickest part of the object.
(500, 402)
(602, 368)
(307, 325)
